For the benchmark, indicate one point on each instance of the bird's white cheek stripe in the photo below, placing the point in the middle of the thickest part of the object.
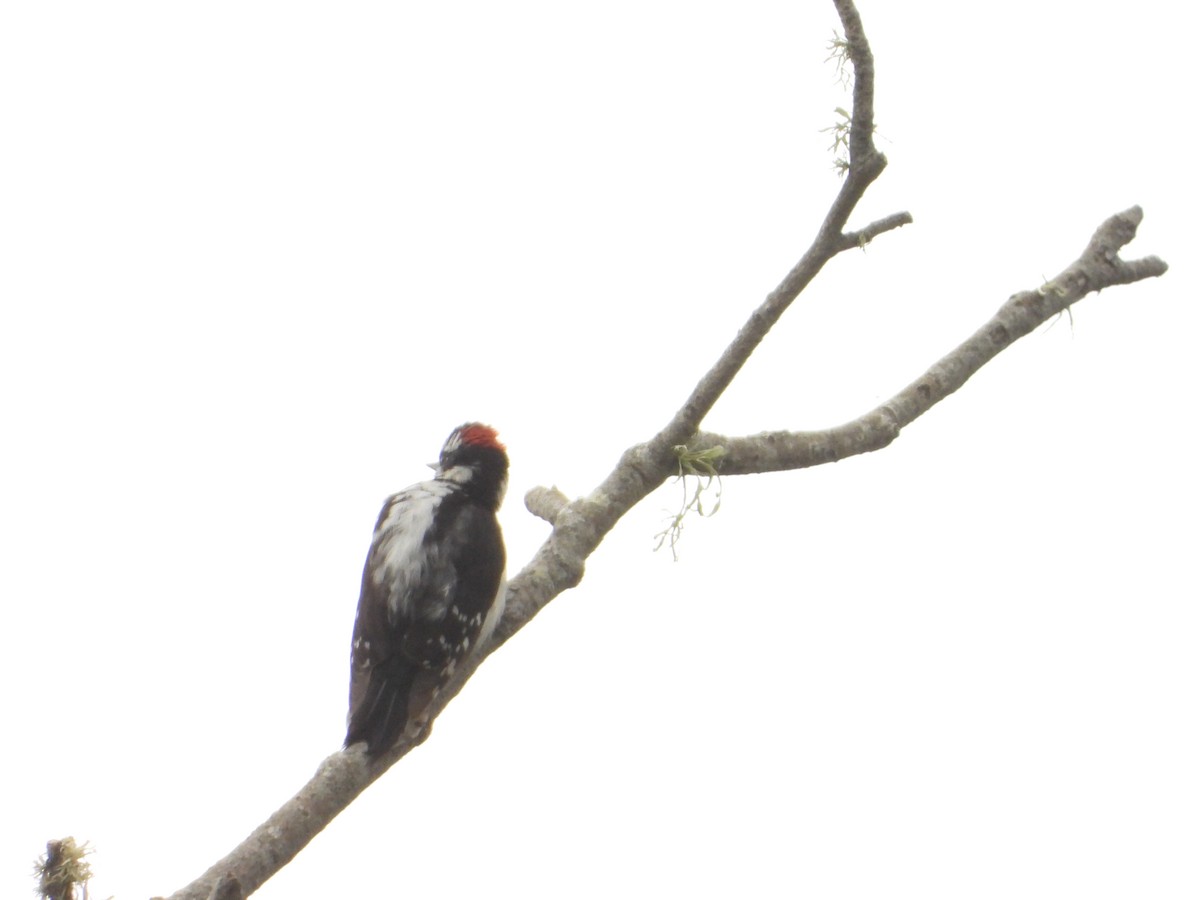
(456, 474)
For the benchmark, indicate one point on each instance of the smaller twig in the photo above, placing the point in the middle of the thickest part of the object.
(862, 129)
(864, 236)
(545, 502)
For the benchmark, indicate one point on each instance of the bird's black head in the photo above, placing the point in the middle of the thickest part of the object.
(474, 458)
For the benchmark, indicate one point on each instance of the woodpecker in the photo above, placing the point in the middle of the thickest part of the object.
(432, 588)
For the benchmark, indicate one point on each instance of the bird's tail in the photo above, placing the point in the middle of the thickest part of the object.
(380, 718)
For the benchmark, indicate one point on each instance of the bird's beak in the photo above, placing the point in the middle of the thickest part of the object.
(433, 466)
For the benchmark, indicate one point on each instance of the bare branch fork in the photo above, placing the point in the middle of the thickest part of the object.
(580, 525)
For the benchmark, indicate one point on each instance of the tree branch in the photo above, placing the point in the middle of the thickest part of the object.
(580, 525)
(865, 165)
(1098, 267)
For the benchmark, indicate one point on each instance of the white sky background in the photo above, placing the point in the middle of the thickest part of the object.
(257, 259)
